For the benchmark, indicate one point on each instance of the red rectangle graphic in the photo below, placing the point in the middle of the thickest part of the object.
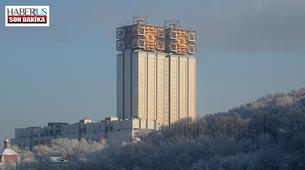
(27, 19)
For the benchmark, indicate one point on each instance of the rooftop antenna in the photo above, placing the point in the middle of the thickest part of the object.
(172, 23)
(140, 19)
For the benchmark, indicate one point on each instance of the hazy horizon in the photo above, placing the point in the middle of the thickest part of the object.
(246, 49)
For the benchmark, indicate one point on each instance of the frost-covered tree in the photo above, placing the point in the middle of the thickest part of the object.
(265, 134)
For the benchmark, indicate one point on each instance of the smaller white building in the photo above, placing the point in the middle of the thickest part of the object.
(112, 129)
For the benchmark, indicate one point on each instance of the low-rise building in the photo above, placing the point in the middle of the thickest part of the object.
(111, 129)
(8, 156)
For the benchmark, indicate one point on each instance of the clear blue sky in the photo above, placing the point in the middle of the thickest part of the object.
(246, 49)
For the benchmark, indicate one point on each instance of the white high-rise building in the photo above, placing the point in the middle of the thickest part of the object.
(156, 74)
(156, 86)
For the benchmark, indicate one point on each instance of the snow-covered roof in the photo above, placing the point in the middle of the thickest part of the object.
(8, 151)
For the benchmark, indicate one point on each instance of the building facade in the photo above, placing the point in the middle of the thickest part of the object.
(110, 129)
(156, 73)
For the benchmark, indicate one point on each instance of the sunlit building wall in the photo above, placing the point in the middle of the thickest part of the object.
(156, 73)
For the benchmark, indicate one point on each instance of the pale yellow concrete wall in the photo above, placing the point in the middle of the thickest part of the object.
(173, 78)
(182, 87)
(158, 87)
(151, 86)
(166, 91)
(142, 85)
(192, 87)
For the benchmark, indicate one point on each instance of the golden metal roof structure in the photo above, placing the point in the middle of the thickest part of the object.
(169, 38)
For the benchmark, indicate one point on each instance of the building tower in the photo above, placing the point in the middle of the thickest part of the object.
(156, 73)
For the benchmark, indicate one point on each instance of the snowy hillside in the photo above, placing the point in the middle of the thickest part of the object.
(266, 134)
